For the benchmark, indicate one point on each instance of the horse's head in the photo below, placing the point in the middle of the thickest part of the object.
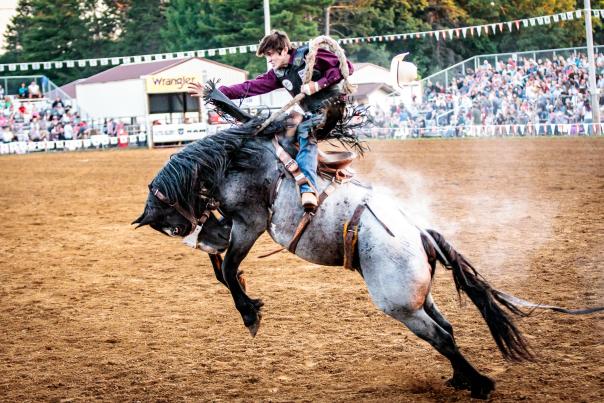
(162, 217)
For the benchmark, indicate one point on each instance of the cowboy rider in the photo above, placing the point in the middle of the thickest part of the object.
(288, 67)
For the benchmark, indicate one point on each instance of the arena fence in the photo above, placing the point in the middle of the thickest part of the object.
(102, 141)
(553, 129)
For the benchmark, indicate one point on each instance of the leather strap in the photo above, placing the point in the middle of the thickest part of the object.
(308, 216)
(291, 165)
(351, 236)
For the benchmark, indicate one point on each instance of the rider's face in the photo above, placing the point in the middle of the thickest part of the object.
(277, 59)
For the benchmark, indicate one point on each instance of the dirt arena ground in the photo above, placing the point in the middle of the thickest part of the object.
(91, 309)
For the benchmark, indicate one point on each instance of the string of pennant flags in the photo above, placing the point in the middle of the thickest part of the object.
(440, 34)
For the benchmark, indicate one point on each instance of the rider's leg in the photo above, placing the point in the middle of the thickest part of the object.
(307, 158)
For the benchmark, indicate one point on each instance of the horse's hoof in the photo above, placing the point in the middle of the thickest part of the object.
(483, 388)
(459, 383)
(253, 328)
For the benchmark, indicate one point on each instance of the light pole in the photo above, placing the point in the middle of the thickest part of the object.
(593, 90)
(267, 24)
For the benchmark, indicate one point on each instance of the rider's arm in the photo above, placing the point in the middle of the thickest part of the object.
(328, 63)
(262, 84)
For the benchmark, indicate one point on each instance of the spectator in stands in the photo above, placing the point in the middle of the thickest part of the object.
(34, 90)
(58, 103)
(22, 92)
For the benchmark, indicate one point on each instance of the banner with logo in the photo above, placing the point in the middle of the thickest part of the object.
(179, 132)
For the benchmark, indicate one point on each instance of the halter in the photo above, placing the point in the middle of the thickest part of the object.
(190, 239)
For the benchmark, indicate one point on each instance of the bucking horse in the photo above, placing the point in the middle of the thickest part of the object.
(222, 192)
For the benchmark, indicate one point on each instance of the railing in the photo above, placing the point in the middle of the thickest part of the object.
(445, 77)
(405, 131)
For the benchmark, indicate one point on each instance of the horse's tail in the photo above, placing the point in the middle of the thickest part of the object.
(488, 300)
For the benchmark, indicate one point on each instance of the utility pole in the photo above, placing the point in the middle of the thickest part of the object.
(267, 24)
(593, 90)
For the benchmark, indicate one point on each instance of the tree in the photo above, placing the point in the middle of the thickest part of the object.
(194, 24)
(141, 25)
(46, 30)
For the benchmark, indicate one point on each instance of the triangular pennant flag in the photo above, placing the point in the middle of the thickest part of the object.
(70, 63)
(23, 66)
(58, 65)
(36, 66)
(13, 67)
(578, 13)
(398, 36)
(380, 38)
(211, 52)
(517, 22)
(2, 67)
(464, 30)
(509, 26)
(47, 66)
(81, 63)
(478, 30)
(555, 17)
(501, 26)
(126, 60)
(532, 21)
(570, 15)
(451, 34)
(540, 20)
(104, 62)
(93, 62)
(242, 49)
(232, 50)
(547, 20)
(493, 28)
(457, 30)
(563, 16)
(115, 61)
(525, 23)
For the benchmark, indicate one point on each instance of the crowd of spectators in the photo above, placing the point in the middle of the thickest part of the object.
(26, 119)
(539, 93)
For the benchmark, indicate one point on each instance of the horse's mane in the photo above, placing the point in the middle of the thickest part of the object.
(201, 167)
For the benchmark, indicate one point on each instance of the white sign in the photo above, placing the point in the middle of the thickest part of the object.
(179, 132)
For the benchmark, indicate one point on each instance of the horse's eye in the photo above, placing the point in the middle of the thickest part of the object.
(176, 230)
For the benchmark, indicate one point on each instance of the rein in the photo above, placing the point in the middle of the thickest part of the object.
(190, 238)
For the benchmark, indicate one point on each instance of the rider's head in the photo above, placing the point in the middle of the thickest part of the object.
(275, 46)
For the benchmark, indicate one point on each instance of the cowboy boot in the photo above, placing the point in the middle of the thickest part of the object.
(309, 200)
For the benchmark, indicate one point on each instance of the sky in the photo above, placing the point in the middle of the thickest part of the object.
(7, 10)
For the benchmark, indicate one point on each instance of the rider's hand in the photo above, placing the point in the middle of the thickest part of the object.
(310, 88)
(196, 90)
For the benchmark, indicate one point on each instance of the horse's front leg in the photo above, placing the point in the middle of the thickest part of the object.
(242, 239)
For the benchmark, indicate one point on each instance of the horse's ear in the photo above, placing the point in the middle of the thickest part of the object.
(144, 219)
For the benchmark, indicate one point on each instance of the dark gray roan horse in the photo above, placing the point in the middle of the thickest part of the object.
(397, 261)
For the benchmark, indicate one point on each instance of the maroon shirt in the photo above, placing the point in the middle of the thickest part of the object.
(325, 62)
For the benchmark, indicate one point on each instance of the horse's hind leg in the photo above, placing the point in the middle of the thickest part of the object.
(432, 311)
(420, 323)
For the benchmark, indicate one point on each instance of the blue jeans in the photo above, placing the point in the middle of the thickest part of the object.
(307, 155)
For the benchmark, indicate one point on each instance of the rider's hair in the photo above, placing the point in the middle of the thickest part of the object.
(275, 41)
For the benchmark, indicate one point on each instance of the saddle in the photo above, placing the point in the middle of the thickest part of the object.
(336, 164)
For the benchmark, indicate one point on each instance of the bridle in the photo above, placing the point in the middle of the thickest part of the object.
(190, 239)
